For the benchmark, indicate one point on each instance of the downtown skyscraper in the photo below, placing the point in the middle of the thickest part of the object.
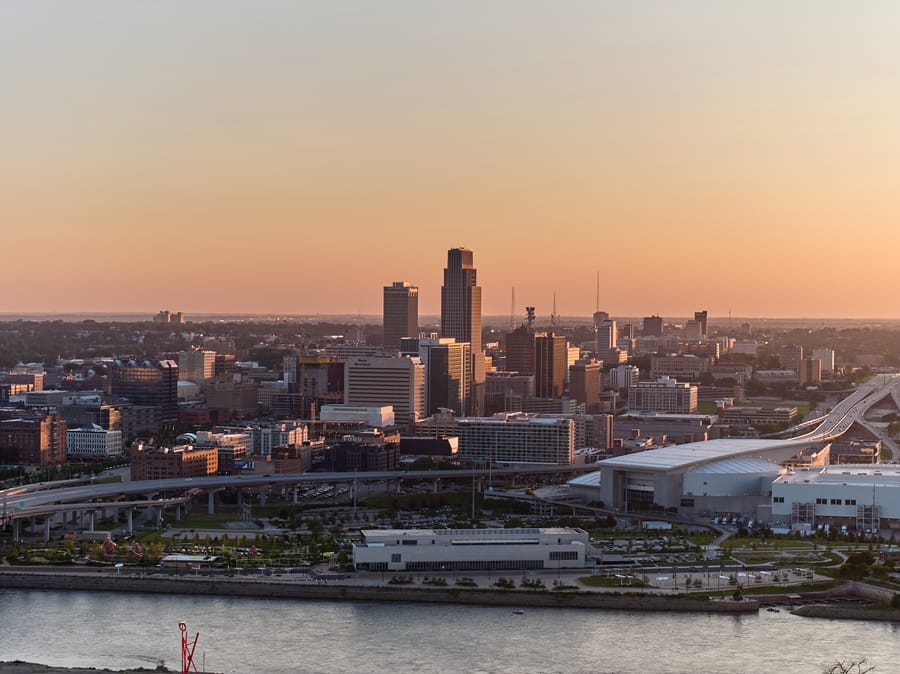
(461, 313)
(401, 313)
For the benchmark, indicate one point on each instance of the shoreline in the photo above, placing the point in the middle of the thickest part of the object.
(21, 667)
(335, 592)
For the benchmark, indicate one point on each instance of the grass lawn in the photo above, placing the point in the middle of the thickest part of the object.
(771, 543)
(109, 479)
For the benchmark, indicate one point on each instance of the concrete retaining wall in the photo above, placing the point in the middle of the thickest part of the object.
(275, 590)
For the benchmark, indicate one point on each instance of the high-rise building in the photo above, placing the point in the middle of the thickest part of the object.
(448, 372)
(664, 395)
(461, 299)
(623, 377)
(152, 383)
(826, 357)
(550, 365)
(196, 366)
(653, 326)
(516, 438)
(702, 317)
(810, 371)
(791, 356)
(401, 313)
(584, 384)
(607, 336)
(399, 382)
(449, 377)
(461, 314)
(607, 343)
(520, 350)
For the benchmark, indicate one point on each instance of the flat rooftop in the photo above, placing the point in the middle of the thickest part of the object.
(697, 453)
(856, 474)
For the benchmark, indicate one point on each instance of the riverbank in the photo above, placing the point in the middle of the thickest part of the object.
(236, 587)
(34, 668)
(848, 613)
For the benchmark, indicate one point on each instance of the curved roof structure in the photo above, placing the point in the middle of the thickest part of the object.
(695, 454)
(739, 467)
(587, 480)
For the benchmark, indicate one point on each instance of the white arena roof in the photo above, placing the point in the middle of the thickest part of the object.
(738, 467)
(697, 453)
(587, 480)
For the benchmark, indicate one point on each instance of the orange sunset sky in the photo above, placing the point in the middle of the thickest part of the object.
(295, 157)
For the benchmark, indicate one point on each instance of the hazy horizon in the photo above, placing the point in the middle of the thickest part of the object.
(296, 157)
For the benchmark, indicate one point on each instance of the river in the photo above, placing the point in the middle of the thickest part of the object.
(84, 629)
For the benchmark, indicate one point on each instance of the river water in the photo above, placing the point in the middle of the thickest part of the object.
(115, 630)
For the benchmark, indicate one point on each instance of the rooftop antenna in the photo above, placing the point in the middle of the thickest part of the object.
(597, 304)
(554, 317)
(529, 317)
(512, 311)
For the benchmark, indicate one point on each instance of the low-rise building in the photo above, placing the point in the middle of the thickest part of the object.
(759, 416)
(93, 443)
(161, 463)
(446, 550)
(858, 496)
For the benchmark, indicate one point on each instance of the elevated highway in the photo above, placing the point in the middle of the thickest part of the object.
(34, 501)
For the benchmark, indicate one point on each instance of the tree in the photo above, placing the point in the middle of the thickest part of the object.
(849, 667)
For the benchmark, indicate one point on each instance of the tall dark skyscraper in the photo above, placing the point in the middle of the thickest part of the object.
(152, 383)
(401, 313)
(653, 326)
(461, 315)
(702, 317)
(461, 299)
(549, 365)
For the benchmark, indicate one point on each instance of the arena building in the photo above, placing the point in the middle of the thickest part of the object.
(864, 497)
(695, 479)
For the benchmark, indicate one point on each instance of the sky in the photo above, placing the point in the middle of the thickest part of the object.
(295, 157)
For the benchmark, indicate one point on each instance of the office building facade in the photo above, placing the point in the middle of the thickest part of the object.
(663, 395)
(550, 365)
(401, 314)
(378, 381)
(516, 438)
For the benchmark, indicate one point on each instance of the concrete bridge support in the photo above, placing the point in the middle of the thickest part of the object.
(130, 515)
(46, 530)
(17, 531)
(296, 494)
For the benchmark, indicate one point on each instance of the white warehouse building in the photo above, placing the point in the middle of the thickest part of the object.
(437, 550)
(858, 496)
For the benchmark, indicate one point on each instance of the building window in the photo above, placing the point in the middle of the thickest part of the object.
(561, 555)
(821, 501)
(835, 501)
(778, 499)
(395, 558)
(850, 501)
(687, 503)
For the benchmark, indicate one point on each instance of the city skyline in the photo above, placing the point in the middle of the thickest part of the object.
(214, 157)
